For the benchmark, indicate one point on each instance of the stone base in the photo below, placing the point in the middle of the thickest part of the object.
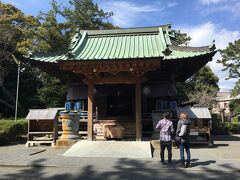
(65, 143)
(69, 136)
(155, 144)
(155, 136)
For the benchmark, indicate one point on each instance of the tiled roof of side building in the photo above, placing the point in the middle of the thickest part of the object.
(122, 44)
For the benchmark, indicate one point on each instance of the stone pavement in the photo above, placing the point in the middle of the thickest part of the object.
(111, 149)
(220, 162)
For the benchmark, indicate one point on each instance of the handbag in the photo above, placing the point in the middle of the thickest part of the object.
(178, 140)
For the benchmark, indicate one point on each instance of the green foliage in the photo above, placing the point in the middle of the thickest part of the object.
(53, 36)
(20, 34)
(237, 110)
(15, 38)
(200, 89)
(236, 89)
(233, 128)
(11, 130)
(12, 18)
(218, 127)
(28, 85)
(53, 92)
(182, 38)
(231, 59)
(205, 78)
(235, 119)
(83, 14)
(234, 105)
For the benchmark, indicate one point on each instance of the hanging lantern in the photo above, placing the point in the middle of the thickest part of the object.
(146, 90)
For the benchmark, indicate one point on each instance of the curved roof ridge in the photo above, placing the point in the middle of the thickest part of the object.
(153, 29)
(190, 48)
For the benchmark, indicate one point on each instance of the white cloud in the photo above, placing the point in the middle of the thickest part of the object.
(172, 4)
(208, 2)
(202, 35)
(128, 14)
(214, 6)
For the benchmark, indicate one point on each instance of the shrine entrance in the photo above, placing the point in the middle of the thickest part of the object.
(115, 100)
(119, 105)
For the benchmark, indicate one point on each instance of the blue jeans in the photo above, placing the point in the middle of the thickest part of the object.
(185, 146)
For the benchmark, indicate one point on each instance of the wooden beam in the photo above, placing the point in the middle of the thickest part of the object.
(91, 67)
(138, 109)
(118, 80)
(90, 110)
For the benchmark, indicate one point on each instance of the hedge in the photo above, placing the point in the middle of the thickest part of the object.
(11, 130)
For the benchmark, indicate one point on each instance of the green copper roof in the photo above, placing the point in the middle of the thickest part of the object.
(136, 43)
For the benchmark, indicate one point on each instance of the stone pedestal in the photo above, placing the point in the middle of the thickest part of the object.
(155, 118)
(65, 143)
(70, 127)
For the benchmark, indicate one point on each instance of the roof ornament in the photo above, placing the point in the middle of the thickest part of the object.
(167, 51)
(212, 46)
(69, 55)
(170, 24)
(29, 54)
(75, 39)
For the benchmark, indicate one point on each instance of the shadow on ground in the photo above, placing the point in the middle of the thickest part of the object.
(196, 162)
(125, 169)
(226, 138)
(204, 146)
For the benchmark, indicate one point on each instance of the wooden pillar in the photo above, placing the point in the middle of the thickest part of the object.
(90, 111)
(138, 110)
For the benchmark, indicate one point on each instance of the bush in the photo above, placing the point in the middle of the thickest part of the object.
(218, 127)
(235, 120)
(234, 105)
(233, 127)
(11, 130)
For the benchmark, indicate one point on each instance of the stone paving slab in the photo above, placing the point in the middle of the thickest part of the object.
(113, 149)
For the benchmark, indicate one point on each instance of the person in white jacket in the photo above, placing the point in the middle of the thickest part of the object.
(183, 131)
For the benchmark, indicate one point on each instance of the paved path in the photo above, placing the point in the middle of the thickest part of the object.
(115, 173)
(45, 162)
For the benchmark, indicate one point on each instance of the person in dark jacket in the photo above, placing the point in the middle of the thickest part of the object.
(183, 130)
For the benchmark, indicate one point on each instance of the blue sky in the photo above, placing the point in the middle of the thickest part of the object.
(203, 20)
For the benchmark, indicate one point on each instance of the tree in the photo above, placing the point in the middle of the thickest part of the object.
(236, 89)
(13, 18)
(231, 59)
(53, 35)
(200, 89)
(8, 43)
(182, 38)
(53, 92)
(84, 14)
(20, 34)
(234, 106)
(14, 39)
